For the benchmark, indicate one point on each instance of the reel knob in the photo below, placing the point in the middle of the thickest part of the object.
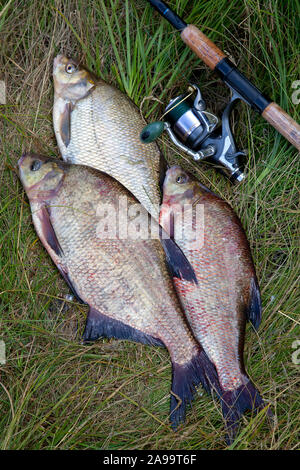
(152, 131)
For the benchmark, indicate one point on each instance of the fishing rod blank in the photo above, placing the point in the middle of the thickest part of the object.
(206, 50)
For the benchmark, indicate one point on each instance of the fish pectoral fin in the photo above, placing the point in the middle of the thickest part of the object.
(51, 242)
(48, 234)
(162, 171)
(65, 124)
(98, 324)
(254, 308)
(178, 264)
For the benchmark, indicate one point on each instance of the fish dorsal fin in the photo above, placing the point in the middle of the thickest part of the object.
(65, 123)
(254, 308)
(178, 264)
(98, 324)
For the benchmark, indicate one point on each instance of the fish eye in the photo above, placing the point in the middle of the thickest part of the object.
(36, 165)
(181, 179)
(70, 67)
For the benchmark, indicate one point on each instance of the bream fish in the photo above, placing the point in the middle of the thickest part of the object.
(124, 281)
(226, 293)
(99, 126)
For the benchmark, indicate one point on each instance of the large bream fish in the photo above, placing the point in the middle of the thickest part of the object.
(226, 293)
(124, 281)
(97, 125)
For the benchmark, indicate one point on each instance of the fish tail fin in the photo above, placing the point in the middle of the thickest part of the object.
(185, 378)
(236, 402)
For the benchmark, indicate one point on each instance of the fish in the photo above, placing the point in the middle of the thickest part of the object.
(99, 126)
(226, 293)
(124, 280)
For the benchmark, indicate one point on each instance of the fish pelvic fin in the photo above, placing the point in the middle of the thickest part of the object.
(254, 309)
(185, 379)
(100, 325)
(236, 402)
(162, 171)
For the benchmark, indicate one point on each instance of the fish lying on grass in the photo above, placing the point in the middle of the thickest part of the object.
(124, 281)
(226, 293)
(99, 126)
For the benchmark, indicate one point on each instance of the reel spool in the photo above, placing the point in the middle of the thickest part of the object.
(195, 131)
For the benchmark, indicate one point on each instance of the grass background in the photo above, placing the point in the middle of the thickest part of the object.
(58, 394)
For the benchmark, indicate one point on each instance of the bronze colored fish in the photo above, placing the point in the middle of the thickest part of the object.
(99, 126)
(124, 281)
(226, 293)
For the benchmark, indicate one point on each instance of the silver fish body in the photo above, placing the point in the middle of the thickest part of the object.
(125, 282)
(226, 293)
(97, 125)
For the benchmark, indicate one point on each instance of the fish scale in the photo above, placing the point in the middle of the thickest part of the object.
(82, 250)
(208, 313)
(104, 133)
(124, 282)
(226, 292)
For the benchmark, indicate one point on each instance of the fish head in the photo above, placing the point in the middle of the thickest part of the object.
(41, 176)
(179, 187)
(71, 80)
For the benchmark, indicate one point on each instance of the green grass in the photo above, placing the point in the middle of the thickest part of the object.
(56, 393)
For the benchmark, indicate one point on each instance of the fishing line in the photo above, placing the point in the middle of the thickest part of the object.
(177, 104)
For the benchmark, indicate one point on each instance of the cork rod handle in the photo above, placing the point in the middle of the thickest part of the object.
(206, 50)
(283, 123)
(203, 47)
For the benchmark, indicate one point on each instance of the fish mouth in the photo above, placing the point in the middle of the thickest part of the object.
(173, 169)
(58, 59)
(62, 59)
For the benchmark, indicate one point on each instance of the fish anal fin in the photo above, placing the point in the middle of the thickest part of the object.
(98, 324)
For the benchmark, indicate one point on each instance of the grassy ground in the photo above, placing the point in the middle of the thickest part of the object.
(58, 394)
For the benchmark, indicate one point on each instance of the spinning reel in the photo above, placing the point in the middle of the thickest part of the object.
(194, 130)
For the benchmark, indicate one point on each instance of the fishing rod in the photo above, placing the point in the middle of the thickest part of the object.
(192, 128)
